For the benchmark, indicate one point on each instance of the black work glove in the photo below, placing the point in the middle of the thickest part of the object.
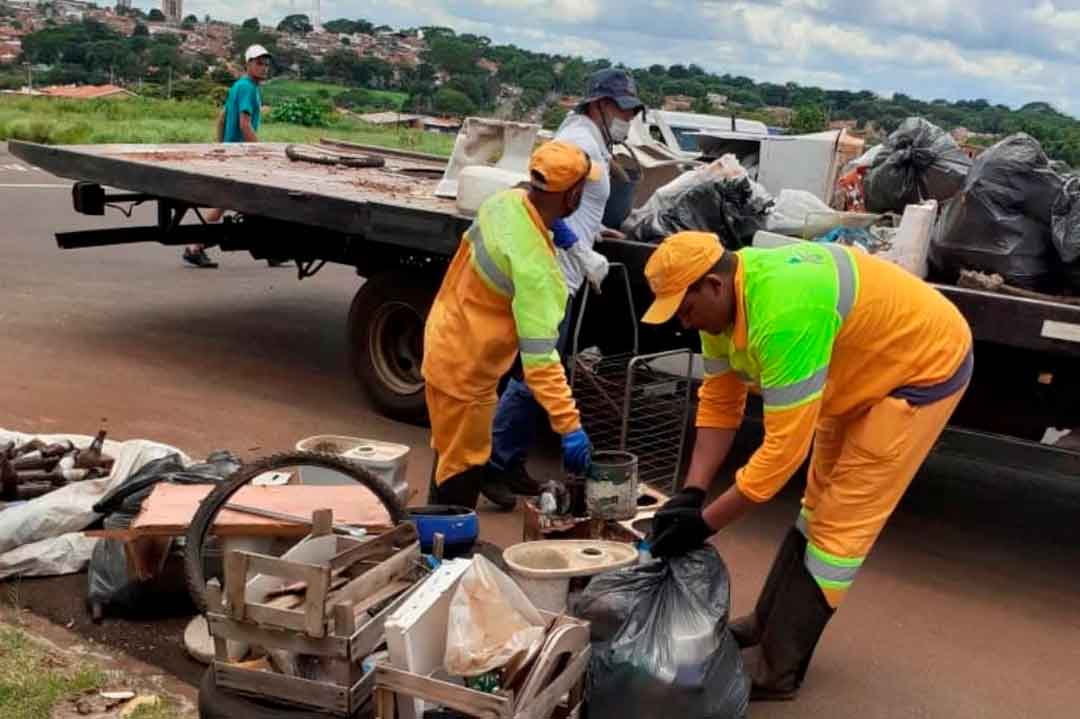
(685, 498)
(684, 530)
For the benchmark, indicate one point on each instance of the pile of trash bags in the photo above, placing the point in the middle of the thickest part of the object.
(661, 642)
(719, 198)
(109, 583)
(1016, 217)
(918, 162)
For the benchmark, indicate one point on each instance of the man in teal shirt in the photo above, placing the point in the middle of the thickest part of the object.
(238, 122)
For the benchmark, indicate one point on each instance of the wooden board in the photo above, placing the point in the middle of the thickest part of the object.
(381, 204)
(169, 508)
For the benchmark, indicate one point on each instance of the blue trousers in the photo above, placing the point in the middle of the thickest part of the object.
(514, 428)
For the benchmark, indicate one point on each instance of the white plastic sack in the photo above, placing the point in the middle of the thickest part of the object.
(66, 554)
(490, 621)
(911, 241)
(70, 508)
(793, 210)
(595, 265)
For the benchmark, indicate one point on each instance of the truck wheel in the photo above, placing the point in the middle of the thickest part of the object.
(386, 343)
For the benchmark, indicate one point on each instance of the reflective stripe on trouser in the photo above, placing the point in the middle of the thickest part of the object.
(859, 469)
(460, 432)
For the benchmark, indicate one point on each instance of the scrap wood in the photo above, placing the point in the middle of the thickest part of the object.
(322, 156)
(973, 280)
(337, 581)
(167, 511)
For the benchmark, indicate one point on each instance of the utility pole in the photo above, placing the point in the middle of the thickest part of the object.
(169, 96)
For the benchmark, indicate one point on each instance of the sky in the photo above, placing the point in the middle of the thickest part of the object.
(1006, 51)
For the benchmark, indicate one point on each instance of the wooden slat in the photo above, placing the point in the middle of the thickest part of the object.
(362, 690)
(390, 590)
(384, 704)
(303, 692)
(322, 522)
(545, 702)
(329, 646)
(371, 634)
(380, 575)
(468, 701)
(274, 617)
(289, 569)
(400, 536)
(213, 604)
(236, 564)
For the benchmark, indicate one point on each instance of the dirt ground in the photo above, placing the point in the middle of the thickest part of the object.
(967, 607)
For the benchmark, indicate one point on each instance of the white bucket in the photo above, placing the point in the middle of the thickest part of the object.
(386, 460)
(611, 490)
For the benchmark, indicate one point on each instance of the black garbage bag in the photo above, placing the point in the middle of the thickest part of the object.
(109, 584)
(733, 209)
(1065, 220)
(1000, 221)
(661, 643)
(919, 161)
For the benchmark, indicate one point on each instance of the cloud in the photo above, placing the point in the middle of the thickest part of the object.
(1007, 51)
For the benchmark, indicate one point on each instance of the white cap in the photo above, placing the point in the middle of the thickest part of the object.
(254, 52)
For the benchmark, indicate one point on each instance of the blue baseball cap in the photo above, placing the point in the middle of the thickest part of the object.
(615, 85)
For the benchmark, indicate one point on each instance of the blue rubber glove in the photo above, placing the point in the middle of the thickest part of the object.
(577, 451)
(563, 236)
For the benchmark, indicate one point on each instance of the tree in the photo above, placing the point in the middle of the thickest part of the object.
(349, 27)
(808, 118)
(252, 23)
(448, 101)
(222, 76)
(295, 25)
(553, 117)
(189, 22)
(155, 15)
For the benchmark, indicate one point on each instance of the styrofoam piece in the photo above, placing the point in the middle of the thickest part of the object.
(416, 632)
(477, 183)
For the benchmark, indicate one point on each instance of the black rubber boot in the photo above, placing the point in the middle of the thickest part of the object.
(747, 629)
(498, 492)
(460, 490)
(799, 614)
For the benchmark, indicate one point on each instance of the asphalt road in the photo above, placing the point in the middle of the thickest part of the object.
(968, 606)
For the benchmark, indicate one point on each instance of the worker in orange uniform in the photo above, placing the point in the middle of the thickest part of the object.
(852, 356)
(503, 294)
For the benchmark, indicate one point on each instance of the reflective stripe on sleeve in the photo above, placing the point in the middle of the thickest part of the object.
(796, 393)
(484, 261)
(845, 280)
(537, 345)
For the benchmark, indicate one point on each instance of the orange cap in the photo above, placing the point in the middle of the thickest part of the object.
(557, 166)
(679, 261)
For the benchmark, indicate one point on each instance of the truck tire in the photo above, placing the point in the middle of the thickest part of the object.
(212, 504)
(386, 342)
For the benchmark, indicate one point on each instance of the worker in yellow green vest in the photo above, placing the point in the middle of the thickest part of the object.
(854, 358)
(503, 294)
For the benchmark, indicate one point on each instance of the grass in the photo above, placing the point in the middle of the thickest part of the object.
(32, 681)
(282, 89)
(143, 120)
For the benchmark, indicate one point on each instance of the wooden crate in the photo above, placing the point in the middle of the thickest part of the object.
(559, 671)
(325, 625)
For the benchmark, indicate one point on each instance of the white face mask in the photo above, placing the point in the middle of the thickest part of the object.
(619, 129)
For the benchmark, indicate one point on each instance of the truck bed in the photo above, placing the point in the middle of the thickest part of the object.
(258, 180)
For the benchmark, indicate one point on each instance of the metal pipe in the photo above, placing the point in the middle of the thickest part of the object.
(345, 529)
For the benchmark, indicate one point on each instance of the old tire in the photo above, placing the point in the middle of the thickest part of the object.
(213, 503)
(386, 336)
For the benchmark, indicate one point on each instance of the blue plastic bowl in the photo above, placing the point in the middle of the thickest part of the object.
(459, 526)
